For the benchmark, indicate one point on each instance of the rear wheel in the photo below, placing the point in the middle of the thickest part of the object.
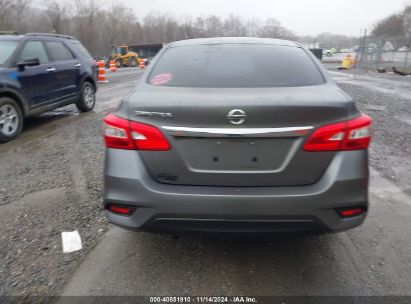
(87, 99)
(133, 62)
(11, 119)
(118, 63)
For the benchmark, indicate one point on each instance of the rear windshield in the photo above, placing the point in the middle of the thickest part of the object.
(235, 65)
(7, 48)
(79, 48)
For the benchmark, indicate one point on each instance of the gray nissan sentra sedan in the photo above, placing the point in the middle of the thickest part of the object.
(236, 135)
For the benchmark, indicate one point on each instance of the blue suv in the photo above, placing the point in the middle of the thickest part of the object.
(41, 72)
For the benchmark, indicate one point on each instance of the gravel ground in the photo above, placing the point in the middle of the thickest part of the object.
(51, 181)
(51, 187)
(387, 99)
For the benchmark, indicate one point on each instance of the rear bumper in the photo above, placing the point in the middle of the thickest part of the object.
(236, 209)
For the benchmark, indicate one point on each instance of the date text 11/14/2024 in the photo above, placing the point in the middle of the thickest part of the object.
(203, 299)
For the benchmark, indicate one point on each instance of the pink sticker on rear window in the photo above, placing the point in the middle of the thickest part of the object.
(161, 79)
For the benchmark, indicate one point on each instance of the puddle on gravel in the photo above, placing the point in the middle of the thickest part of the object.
(386, 189)
(48, 117)
(405, 117)
(375, 107)
(385, 86)
(37, 127)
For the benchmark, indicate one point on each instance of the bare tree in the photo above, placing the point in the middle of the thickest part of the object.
(57, 12)
(389, 26)
(119, 23)
(273, 29)
(86, 22)
(12, 14)
(187, 30)
(213, 26)
(253, 27)
(234, 26)
(407, 22)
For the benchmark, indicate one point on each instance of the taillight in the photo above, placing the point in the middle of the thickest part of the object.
(351, 212)
(120, 133)
(122, 210)
(117, 133)
(354, 134)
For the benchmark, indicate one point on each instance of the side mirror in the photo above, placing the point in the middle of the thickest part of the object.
(28, 62)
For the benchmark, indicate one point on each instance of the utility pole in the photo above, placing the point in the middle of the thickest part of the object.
(407, 27)
(361, 50)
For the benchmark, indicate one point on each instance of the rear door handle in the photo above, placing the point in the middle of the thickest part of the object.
(51, 69)
(77, 65)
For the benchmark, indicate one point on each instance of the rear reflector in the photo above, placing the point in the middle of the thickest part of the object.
(351, 212)
(120, 209)
(354, 134)
(120, 133)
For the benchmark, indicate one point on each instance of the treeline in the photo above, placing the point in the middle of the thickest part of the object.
(99, 28)
(395, 25)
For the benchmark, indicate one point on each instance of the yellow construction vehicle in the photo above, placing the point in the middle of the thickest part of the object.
(123, 56)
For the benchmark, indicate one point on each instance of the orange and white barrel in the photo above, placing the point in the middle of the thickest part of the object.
(113, 67)
(142, 64)
(101, 71)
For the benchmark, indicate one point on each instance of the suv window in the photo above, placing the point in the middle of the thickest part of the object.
(58, 51)
(235, 65)
(34, 49)
(7, 48)
(81, 50)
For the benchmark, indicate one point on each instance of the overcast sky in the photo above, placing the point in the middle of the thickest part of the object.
(304, 17)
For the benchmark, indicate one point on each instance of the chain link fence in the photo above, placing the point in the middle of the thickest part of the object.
(387, 53)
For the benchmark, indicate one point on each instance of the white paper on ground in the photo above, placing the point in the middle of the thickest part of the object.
(71, 241)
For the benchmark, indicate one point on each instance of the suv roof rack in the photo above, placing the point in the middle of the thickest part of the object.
(9, 33)
(50, 35)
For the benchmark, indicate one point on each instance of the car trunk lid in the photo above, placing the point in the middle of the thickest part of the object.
(264, 150)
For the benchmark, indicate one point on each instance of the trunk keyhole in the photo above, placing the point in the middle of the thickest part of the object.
(255, 159)
(215, 159)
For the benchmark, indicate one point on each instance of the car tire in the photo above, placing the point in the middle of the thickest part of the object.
(118, 63)
(133, 62)
(11, 119)
(87, 99)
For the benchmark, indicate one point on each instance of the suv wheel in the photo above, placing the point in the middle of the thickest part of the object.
(11, 119)
(87, 99)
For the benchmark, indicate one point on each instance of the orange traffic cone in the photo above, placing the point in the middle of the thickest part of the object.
(101, 72)
(142, 64)
(113, 67)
